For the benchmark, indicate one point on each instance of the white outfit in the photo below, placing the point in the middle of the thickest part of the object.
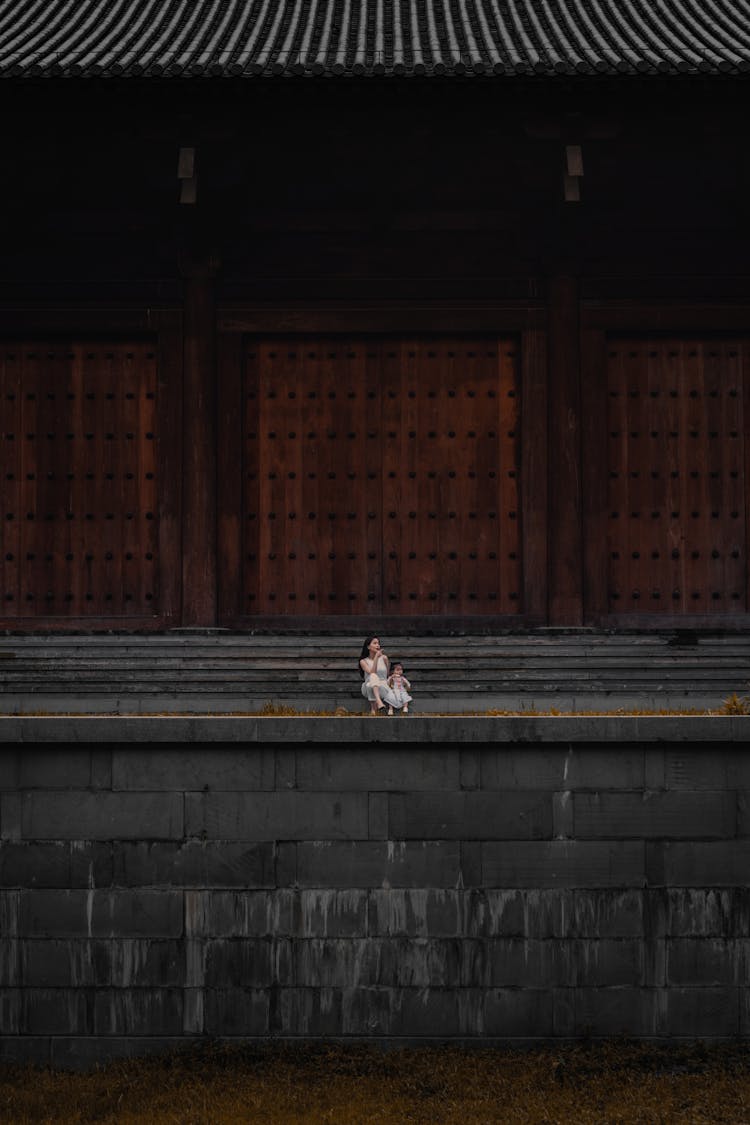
(380, 671)
(400, 693)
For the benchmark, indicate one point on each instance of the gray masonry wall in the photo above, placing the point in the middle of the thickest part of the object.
(479, 879)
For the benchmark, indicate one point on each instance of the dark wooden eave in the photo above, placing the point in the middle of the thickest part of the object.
(228, 38)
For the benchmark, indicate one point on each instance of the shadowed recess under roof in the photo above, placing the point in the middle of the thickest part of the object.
(243, 38)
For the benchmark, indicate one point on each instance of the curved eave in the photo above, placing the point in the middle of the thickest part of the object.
(378, 38)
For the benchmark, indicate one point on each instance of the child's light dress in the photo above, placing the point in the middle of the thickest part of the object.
(378, 677)
(400, 694)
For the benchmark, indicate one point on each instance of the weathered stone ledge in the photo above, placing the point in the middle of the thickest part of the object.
(354, 730)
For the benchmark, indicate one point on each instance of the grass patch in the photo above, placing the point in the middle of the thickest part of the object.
(313, 1085)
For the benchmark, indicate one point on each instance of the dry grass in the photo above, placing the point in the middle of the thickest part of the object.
(277, 1085)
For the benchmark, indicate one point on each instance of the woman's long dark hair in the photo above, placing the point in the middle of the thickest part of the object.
(365, 653)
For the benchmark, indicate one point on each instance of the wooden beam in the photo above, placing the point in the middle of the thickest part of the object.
(564, 424)
(199, 450)
(534, 471)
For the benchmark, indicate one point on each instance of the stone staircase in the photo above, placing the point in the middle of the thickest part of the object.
(215, 671)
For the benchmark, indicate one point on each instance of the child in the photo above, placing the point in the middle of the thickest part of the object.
(400, 687)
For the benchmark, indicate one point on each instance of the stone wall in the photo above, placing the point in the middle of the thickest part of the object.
(476, 879)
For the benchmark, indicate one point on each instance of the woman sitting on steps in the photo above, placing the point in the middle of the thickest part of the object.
(374, 667)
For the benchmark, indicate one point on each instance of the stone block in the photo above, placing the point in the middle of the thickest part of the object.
(62, 864)
(286, 769)
(617, 1011)
(702, 863)
(82, 1053)
(9, 764)
(11, 1010)
(10, 816)
(743, 813)
(235, 1011)
(331, 913)
(536, 914)
(604, 963)
(194, 863)
(10, 912)
(101, 767)
(50, 767)
(698, 767)
(701, 913)
(310, 1012)
(470, 768)
(702, 1013)
(56, 1011)
(514, 962)
(373, 863)
(249, 963)
(562, 767)
(365, 1012)
(76, 815)
(56, 963)
(419, 963)
(121, 913)
(427, 1012)
(606, 914)
(562, 815)
(276, 816)
(145, 962)
(240, 913)
(563, 863)
(705, 961)
(286, 863)
(379, 768)
(10, 962)
(516, 1013)
(25, 1050)
(416, 913)
(334, 963)
(654, 815)
(193, 1011)
(744, 1003)
(138, 1011)
(378, 816)
(192, 768)
(470, 816)
(471, 863)
(654, 763)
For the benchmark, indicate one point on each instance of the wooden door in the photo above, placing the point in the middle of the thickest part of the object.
(79, 440)
(676, 502)
(381, 476)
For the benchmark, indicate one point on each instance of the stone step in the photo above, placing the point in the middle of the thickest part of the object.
(193, 703)
(241, 672)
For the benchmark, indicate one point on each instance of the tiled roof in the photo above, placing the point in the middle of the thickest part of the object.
(372, 37)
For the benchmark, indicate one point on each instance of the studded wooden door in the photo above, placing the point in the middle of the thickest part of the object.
(676, 476)
(381, 476)
(80, 488)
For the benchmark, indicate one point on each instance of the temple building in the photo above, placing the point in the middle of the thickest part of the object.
(323, 312)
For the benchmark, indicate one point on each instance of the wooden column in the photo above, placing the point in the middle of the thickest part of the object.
(199, 450)
(564, 424)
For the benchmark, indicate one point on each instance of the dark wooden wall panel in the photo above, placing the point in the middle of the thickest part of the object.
(676, 476)
(381, 475)
(80, 479)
